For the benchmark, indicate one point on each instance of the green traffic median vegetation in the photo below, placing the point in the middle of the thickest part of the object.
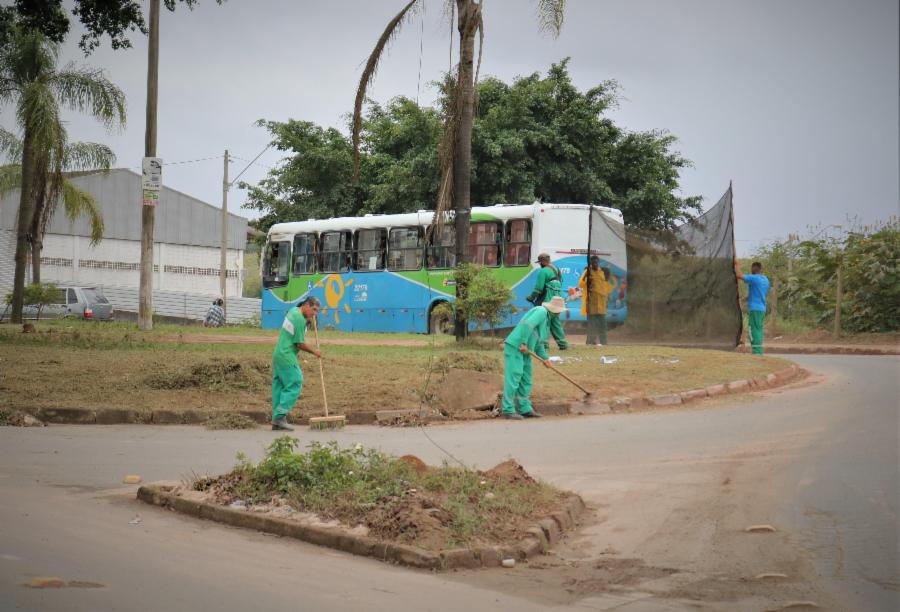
(68, 364)
(397, 499)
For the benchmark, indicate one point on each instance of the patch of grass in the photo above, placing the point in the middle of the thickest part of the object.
(229, 420)
(433, 507)
(105, 368)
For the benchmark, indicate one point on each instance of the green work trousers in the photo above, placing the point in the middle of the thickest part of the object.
(596, 329)
(556, 330)
(756, 318)
(287, 382)
(516, 381)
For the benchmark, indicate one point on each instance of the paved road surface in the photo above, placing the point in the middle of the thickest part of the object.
(671, 491)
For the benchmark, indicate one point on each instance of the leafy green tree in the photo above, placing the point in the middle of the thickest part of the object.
(113, 18)
(29, 78)
(487, 299)
(539, 137)
(38, 294)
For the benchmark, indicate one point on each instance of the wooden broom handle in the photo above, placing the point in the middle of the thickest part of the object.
(558, 372)
(321, 367)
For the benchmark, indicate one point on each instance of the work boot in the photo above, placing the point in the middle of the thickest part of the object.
(512, 415)
(281, 424)
(531, 415)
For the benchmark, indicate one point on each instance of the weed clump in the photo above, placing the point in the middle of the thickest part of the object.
(229, 420)
(395, 498)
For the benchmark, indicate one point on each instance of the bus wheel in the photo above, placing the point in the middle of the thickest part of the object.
(440, 320)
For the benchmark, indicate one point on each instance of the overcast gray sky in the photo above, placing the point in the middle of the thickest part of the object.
(795, 100)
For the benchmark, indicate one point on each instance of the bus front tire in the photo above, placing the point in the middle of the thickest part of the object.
(440, 322)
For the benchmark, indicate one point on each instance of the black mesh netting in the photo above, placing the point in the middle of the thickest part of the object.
(681, 283)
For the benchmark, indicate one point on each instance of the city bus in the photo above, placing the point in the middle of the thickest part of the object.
(387, 273)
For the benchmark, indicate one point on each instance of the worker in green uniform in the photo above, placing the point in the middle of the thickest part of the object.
(287, 377)
(547, 286)
(529, 335)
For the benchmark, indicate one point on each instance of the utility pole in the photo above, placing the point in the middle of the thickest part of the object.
(838, 296)
(148, 213)
(224, 246)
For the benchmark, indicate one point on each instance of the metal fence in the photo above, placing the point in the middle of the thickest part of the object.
(179, 304)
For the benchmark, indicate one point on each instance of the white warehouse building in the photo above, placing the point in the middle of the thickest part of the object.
(186, 248)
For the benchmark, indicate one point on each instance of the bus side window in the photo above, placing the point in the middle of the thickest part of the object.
(335, 252)
(405, 248)
(442, 247)
(276, 264)
(518, 243)
(368, 253)
(484, 243)
(304, 254)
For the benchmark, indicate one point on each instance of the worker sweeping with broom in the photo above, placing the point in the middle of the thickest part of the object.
(529, 337)
(287, 377)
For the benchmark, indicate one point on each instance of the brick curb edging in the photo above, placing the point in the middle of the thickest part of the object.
(116, 416)
(539, 538)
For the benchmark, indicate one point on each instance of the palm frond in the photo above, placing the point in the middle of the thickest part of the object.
(550, 16)
(392, 29)
(38, 114)
(85, 89)
(10, 178)
(81, 156)
(78, 203)
(480, 27)
(10, 146)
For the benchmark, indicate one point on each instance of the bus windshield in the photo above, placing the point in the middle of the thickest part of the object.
(276, 264)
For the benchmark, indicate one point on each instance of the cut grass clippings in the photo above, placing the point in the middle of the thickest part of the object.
(393, 499)
(80, 365)
(229, 420)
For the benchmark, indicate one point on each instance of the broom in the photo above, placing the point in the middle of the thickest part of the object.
(325, 422)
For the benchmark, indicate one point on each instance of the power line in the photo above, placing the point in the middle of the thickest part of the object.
(255, 163)
(268, 146)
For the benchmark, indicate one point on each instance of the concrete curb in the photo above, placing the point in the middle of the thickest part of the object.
(593, 406)
(624, 404)
(811, 349)
(547, 532)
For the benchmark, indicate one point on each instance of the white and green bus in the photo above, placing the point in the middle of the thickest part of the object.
(386, 273)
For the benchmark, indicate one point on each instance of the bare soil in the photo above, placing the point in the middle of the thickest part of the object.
(420, 518)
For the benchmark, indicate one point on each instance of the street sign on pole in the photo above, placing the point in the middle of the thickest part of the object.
(151, 180)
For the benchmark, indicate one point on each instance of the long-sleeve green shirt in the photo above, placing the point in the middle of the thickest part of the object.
(532, 331)
(546, 285)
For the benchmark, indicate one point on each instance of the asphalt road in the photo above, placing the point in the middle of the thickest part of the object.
(672, 493)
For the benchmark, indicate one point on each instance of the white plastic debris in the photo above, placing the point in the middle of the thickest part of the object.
(135, 521)
(508, 563)
(238, 504)
(555, 359)
(608, 360)
(489, 495)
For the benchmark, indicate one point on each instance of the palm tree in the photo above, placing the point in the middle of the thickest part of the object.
(30, 79)
(456, 145)
(78, 158)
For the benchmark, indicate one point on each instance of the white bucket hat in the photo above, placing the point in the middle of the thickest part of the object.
(555, 305)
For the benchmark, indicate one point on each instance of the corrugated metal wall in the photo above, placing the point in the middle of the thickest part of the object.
(180, 219)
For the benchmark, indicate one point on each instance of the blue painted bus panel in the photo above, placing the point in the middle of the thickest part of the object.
(387, 302)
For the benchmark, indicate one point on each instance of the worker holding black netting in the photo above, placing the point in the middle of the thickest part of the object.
(547, 286)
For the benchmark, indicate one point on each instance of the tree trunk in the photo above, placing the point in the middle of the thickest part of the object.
(469, 14)
(36, 246)
(23, 235)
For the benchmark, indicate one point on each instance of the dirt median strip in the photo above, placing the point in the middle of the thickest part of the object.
(547, 532)
(115, 416)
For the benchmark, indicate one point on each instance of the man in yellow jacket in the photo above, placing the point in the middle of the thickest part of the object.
(594, 301)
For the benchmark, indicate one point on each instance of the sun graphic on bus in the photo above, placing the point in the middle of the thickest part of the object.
(334, 292)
